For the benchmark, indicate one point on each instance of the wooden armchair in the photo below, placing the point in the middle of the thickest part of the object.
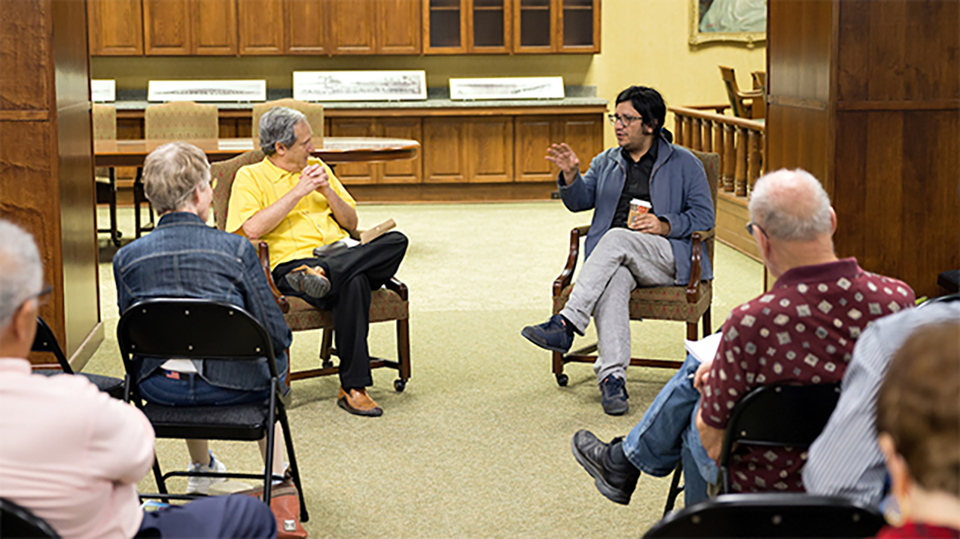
(742, 102)
(689, 303)
(389, 303)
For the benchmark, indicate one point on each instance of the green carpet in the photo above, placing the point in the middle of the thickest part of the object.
(479, 443)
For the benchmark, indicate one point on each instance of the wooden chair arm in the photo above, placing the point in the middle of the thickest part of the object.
(399, 287)
(263, 251)
(563, 280)
(696, 264)
(750, 94)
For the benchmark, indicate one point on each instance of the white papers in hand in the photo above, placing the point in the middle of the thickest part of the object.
(706, 348)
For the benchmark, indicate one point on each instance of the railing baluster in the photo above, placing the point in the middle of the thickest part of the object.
(718, 146)
(678, 120)
(729, 158)
(707, 141)
(740, 182)
(697, 131)
(753, 162)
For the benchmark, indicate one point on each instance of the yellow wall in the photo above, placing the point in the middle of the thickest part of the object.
(643, 42)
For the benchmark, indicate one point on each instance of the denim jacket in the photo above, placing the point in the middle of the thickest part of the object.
(679, 192)
(185, 258)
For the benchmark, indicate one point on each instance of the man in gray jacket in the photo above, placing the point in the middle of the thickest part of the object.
(622, 251)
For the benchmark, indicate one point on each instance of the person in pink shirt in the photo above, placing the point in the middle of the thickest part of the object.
(71, 454)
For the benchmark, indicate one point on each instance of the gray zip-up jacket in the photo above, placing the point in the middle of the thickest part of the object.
(679, 192)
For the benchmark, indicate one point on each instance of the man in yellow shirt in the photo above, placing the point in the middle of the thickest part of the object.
(293, 202)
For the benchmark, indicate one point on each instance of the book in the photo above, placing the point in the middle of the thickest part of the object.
(706, 348)
(373, 233)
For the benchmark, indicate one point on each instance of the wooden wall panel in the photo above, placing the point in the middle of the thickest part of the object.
(260, 24)
(24, 50)
(800, 33)
(306, 27)
(408, 170)
(797, 137)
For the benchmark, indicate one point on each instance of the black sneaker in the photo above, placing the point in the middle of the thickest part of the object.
(551, 335)
(617, 483)
(614, 396)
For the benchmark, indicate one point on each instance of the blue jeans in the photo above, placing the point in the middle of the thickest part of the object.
(668, 430)
(226, 517)
(192, 390)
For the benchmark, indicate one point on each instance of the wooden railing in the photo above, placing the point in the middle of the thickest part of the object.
(739, 142)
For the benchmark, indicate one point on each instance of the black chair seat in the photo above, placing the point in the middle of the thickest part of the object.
(45, 341)
(243, 422)
(17, 521)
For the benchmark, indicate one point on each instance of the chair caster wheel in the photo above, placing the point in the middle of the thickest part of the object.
(562, 380)
(399, 385)
(327, 364)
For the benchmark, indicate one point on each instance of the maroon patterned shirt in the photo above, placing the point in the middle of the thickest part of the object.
(802, 331)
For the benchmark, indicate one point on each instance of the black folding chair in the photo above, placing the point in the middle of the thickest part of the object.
(212, 331)
(17, 521)
(45, 341)
(791, 514)
(777, 415)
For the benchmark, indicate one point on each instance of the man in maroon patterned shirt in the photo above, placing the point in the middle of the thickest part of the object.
(800, 332)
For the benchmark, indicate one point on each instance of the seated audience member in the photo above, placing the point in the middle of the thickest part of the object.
(845, 460)
(293, 202)
(71, 454)
(183, 257)
(918, 420)
(623, 251)
(802, 331)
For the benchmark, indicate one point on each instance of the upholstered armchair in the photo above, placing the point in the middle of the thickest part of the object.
(388, 304)
(688, 303)
(313, 112)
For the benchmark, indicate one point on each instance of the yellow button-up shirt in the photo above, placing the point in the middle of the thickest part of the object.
(308, 225)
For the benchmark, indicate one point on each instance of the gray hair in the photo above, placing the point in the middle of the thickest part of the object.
(276, 125)
(790, 205)
(171, 173)
(21, 272)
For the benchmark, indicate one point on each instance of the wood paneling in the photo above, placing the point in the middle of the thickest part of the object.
(398, 26)
(47, 183)
(443, 150)
(115, 27)
(305, 31)
(489, 149)
(166, 27)
(261, 26)
(214, 27)
(534, 134)
(353, 23)
(354, 173)
(407, 171)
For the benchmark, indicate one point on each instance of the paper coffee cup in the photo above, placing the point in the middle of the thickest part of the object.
(638, 207)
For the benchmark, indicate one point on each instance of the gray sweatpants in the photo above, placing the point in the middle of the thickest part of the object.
(622, 260)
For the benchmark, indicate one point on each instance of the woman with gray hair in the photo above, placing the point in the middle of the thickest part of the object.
(183, 257)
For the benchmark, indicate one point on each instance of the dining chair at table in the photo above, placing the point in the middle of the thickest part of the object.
(313, 112)
(105, 128)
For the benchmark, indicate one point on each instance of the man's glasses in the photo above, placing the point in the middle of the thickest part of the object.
(41, 296)
(623, 119)
(751, 225)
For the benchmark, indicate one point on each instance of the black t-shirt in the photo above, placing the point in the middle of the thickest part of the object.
(637, 183)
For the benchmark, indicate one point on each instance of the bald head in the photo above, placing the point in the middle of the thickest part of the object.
(791, 205)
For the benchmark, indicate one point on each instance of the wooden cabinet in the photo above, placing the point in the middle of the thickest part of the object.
(306, 28)
(189, 27)
(407, 171)
(550, 26)
(260, 27)
(115, 27)
(466, 26)
(583, 133)
(475, 149)
(375, 26)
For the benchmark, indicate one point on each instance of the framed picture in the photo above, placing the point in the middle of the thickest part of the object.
(743, 21)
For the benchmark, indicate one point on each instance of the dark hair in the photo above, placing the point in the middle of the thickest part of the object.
(649, 103)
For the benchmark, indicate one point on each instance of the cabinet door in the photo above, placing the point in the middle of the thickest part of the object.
(214, 27)
(166, 27)
(489, 149)
(534, 26)
(398, 26)
(534, 134)
(260, 26)
(306, 29)
(579, 25)
(116, 27)
(353, 23)
(445, 25)
(490, 26)
(584, 134)
(408, 170)
(354, 173)
(443, 150)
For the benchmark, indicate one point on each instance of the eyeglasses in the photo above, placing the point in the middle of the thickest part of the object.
(40, 296)
(751, 225)
(623, 119)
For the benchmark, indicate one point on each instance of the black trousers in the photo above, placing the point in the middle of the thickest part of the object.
(353, 274)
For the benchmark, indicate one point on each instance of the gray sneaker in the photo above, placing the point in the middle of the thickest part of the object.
(614, 396)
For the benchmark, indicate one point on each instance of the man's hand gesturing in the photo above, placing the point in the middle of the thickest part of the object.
(313, 178)
(562, 156)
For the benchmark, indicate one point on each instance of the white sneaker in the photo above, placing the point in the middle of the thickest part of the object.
(201, 485)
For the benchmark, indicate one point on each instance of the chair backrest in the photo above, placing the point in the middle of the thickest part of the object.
(313, 112)
(104, 122)
(759, 80)
(777, 415)
(17, 521)
(181, 120)
(711, 165)
(222, 174)
(733, 92)
(46, 341)
(771, 515)
(192, 329)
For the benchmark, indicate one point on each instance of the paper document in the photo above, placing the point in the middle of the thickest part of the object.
(706, 348)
